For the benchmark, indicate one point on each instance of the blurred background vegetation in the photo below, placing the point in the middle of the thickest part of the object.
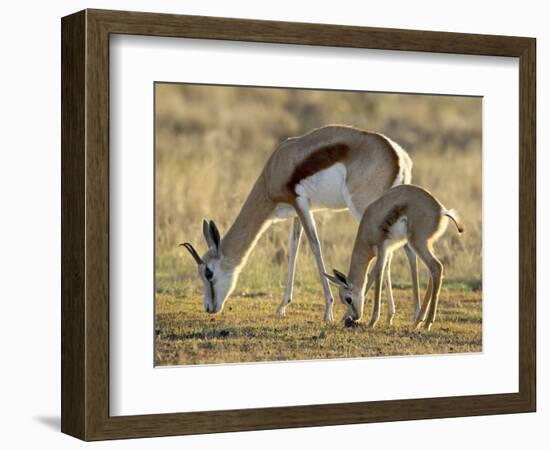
(212, 142)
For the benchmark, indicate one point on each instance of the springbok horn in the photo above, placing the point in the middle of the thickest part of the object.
(193, 252)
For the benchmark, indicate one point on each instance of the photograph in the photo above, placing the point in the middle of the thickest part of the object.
(300, 224)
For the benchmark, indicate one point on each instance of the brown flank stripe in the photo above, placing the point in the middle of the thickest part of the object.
(317, 161)
(395, 213)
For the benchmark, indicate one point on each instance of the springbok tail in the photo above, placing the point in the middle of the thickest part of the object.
(453, 214)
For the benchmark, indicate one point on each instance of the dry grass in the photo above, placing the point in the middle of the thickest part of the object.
(211, 143)
(248, 331)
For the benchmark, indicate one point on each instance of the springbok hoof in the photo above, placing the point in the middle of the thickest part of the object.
(280, 313)
(389, 322)
(428, 326)
(418, 324)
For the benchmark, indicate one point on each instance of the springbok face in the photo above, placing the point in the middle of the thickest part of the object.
(350, 296)
(218, 284)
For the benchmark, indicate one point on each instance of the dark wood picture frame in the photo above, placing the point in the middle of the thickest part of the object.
(85, 224)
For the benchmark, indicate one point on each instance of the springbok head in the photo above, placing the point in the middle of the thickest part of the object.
(350, 295)
(218, 283)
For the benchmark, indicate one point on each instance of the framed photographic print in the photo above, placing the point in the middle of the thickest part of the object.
(267, 224)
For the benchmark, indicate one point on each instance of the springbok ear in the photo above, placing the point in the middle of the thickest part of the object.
(343, 279)
(206, 233)
(215, 234)
(211, 234)
(335, 280)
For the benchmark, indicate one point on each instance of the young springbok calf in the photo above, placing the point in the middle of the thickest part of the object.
(334, 167)
(403, 214)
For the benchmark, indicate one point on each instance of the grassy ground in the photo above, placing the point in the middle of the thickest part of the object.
(248, 330)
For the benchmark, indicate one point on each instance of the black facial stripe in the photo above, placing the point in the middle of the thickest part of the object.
(212, 295)
(208, 274)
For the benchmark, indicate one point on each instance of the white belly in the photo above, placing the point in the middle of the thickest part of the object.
(398, 233)
(325, 189)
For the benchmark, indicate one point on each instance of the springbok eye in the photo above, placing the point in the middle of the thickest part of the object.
(348, 300)
(208, 273)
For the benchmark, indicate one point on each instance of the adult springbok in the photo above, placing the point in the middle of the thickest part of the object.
(403, 215)
(334, 167)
